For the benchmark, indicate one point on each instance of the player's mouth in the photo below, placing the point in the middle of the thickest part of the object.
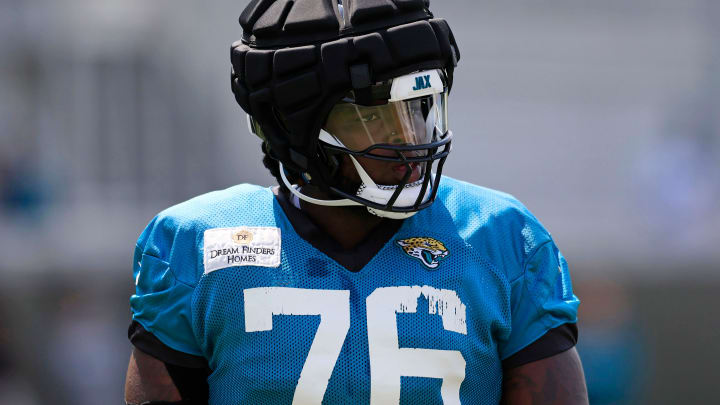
(400, 170)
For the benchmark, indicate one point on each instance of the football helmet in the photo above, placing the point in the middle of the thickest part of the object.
(368, 80)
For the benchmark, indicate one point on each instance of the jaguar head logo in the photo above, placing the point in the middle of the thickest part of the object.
(428, 250)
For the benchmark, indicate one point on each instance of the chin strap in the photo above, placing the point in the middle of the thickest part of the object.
(372, 193)
(344, 202)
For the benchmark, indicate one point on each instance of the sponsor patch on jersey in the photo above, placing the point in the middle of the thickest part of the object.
(428, 250)
(241, 246)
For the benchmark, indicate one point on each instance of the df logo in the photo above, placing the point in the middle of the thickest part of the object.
(242, 237)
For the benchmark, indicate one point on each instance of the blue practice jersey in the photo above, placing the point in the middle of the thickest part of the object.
(461, 286)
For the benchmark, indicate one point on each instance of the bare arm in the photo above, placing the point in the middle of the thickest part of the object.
(556, 380)
(147, 379)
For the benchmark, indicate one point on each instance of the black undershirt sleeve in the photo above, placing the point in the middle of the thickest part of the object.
(553, 342)
(189, 373)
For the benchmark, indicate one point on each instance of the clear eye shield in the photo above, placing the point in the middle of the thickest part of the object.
(410, 110)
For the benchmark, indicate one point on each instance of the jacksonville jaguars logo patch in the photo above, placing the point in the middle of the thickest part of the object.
(428, 250)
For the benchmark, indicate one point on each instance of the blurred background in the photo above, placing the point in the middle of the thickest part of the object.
(602, 117)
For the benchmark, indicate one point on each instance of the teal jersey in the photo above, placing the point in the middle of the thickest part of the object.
(462, 285)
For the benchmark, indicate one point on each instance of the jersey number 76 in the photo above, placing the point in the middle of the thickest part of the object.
(388, 361)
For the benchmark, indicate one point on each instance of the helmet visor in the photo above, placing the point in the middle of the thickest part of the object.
(416, 121)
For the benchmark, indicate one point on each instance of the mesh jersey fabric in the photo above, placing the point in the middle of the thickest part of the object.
(397, 331)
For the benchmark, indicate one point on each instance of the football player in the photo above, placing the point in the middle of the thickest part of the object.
(365, 277)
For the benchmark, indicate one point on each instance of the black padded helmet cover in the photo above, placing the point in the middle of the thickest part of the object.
(297, 58)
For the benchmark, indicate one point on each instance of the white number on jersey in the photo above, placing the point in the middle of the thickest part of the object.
(388, 361)
(333, 306)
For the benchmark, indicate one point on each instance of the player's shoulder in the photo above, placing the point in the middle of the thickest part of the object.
(217, 207)
(181, 226)
(493, 219)
(467, 201)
